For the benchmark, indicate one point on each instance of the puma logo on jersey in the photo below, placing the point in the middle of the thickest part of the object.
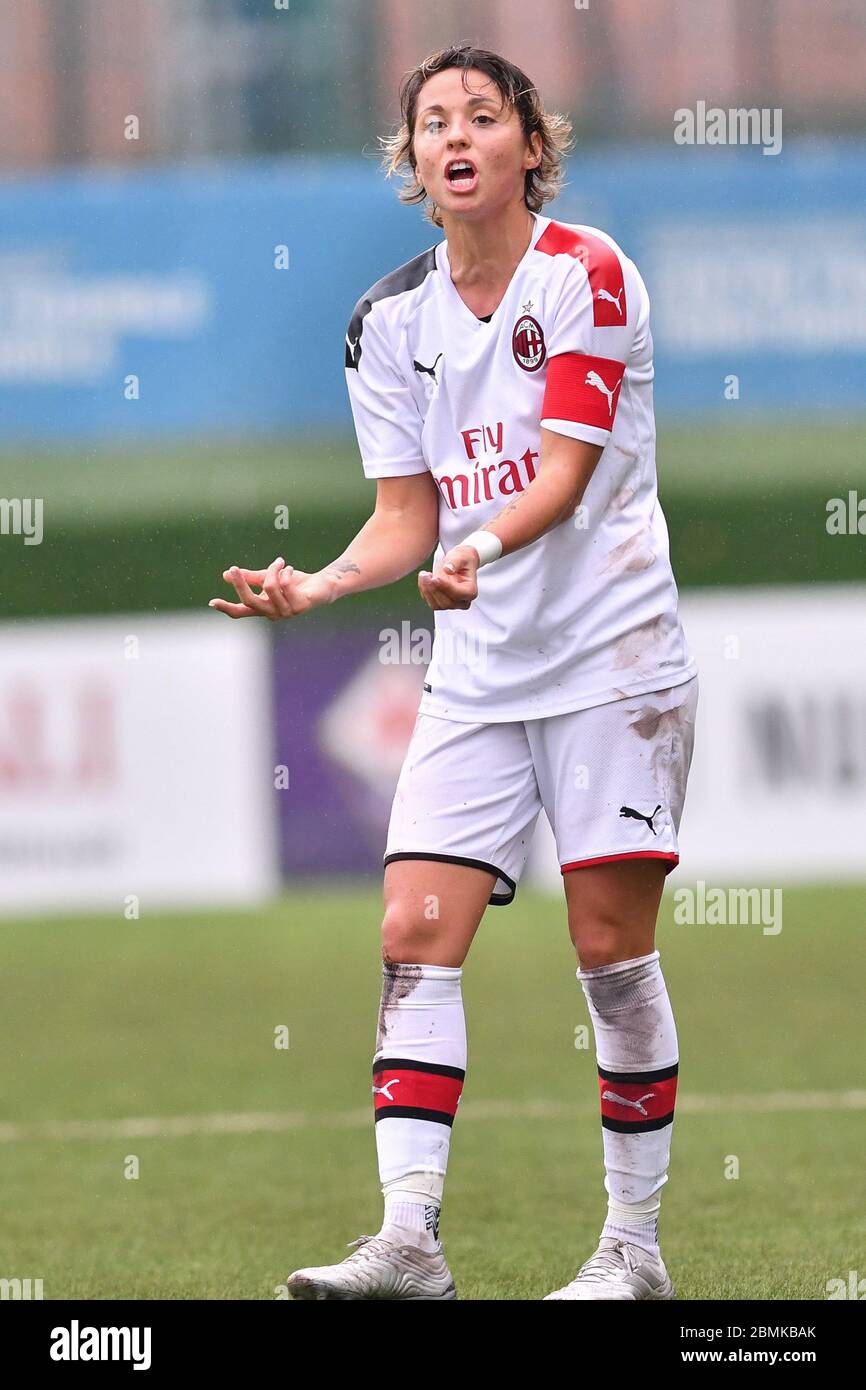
(431, 371)
(353, 351)
(611, 299)
(383, 1090)
(593, 379)
(633, 1104)
(629, 814)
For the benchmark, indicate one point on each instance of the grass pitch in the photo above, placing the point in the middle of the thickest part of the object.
(172, 1020)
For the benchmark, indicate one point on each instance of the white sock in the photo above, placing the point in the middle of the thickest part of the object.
(416, 1220)
(635, 1222)
(638, 1064)
(418, 1073)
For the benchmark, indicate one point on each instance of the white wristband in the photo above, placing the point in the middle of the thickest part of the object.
(489, 547)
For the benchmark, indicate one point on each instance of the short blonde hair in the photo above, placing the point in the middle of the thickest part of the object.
(541, 184)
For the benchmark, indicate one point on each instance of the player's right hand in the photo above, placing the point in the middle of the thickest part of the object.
(454, 582)
(284, 592)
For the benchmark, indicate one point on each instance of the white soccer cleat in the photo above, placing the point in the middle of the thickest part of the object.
(381, 1266)
(618, 1270)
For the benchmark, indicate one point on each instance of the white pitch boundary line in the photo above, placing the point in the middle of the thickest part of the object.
(279, 1122)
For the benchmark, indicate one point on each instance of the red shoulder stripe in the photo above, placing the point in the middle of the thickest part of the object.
(602, 266)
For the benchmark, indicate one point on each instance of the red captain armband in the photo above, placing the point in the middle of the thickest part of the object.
(582, 389)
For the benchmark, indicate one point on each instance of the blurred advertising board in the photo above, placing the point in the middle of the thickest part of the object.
(778, 780)
(136, 765)
(344, 719)
(120, 290)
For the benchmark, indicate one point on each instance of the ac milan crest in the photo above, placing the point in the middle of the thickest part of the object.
(527, 343)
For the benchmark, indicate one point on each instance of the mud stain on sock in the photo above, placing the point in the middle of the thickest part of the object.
(398, 982)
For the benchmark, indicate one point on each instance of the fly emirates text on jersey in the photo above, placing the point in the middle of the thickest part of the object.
(503, 477)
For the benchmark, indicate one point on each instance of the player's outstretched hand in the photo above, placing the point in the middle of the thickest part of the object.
(454, 582)
(284, 592)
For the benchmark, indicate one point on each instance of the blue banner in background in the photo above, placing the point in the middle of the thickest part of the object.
(147, 304)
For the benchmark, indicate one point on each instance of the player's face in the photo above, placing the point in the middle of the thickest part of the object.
(454, 124)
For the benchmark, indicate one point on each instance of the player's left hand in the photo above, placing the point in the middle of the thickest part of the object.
(454, 582)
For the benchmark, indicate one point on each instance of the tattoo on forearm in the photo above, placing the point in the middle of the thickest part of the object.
(510, 507)
(341, 567)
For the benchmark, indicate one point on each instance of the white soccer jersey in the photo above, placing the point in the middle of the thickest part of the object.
(588, 612)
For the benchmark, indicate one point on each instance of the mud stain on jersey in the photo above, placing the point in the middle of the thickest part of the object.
(631, 555)
(621, 499)
(636, 644)
(398, 982)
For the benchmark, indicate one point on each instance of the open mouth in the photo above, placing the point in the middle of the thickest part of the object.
(460, 173)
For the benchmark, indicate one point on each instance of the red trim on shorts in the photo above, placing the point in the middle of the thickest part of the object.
(673, 859)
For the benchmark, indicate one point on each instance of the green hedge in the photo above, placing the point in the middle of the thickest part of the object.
(145, 566)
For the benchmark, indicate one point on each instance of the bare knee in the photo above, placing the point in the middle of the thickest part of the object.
(407, 937)
(432, 911)
(606, 930)
(603, 941)
(612, 910)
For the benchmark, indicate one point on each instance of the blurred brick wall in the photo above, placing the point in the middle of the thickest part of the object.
(27, 85)
(225, 77)
(72, 71)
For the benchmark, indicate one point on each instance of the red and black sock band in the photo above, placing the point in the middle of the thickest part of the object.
(405, 1089)
(634, 1102)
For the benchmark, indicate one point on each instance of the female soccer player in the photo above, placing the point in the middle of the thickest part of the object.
(501, 388)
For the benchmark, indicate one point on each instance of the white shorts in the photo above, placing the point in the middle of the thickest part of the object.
(612, 780)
